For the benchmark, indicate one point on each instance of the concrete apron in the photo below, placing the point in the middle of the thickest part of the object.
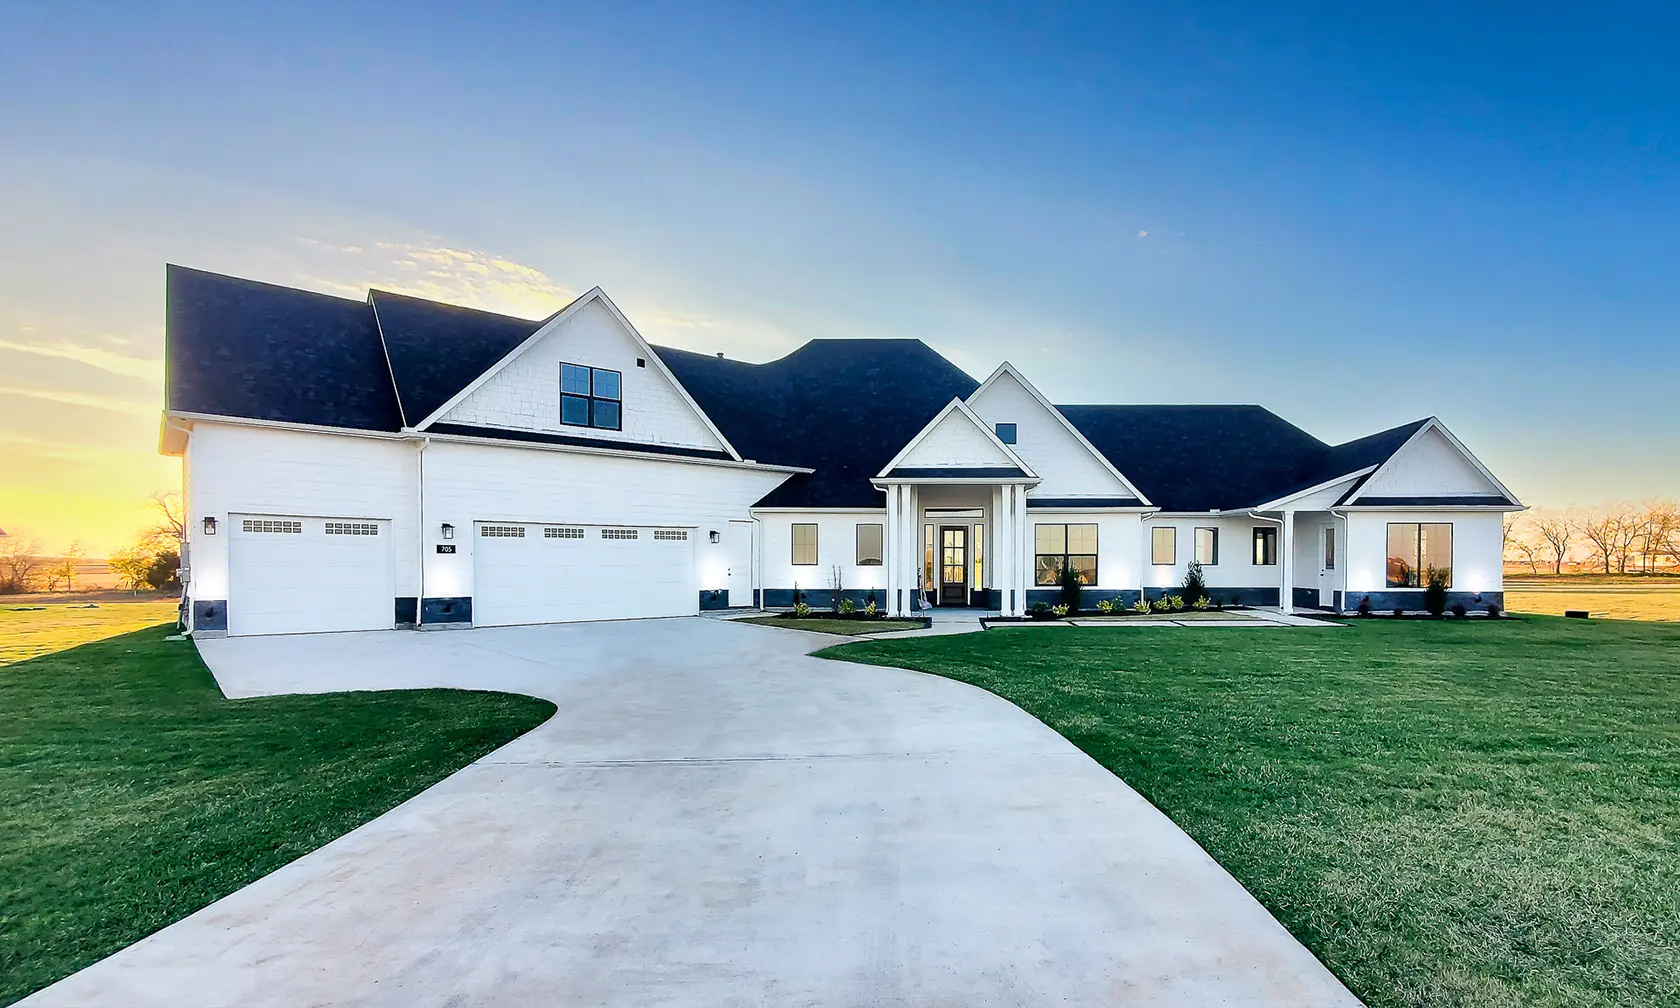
(714, 818)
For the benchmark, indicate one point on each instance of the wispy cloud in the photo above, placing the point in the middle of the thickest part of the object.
(71, 398)
(148, 370)
(470, 277)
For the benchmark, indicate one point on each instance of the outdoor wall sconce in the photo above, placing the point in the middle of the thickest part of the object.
(715, 536)
(209, 526)
(447, 530)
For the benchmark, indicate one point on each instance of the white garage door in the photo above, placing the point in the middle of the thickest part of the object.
(526, 572)
(291, 574)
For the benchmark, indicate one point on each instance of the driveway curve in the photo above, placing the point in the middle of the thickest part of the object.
(715, 818)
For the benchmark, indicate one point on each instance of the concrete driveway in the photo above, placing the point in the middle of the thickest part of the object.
(715, 818)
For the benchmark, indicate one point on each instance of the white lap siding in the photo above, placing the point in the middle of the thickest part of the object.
(1477, 552)
(1117, 546)
(1236, 567)
(237, 470)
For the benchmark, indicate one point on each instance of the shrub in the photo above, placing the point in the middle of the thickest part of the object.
(870, 608)
(1195, 586)
(1435, 592)
(847, 607)
(1059, 610)
(1175, 602)
(1365, 606)
(1459, 610)
(801, 610)
(1105, 606)
(1039, 610)
(1399, 612)
(1070, 584)
(1493, 609)
(1141, 605)
(1201, 603)
(1161, 605)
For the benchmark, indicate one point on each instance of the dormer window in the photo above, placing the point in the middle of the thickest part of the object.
(1006, 433)
(590, 397)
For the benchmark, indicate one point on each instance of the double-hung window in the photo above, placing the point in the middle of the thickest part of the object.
(1061, 548)
(1415, 549)
(1265, 546)
(591, 397)
(1207, 546)
(805, 545)
(870, 543)
(1163, 546)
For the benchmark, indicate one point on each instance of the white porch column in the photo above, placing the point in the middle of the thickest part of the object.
(1286, 547)
(1014, 546)
(890, 544)
(913, 531)
(1023, 550)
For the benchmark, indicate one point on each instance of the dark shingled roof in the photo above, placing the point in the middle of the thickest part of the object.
(240, 348)
(843, 407)
(436, 350)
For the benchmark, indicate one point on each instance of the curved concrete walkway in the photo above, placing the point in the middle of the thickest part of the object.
(715, 818)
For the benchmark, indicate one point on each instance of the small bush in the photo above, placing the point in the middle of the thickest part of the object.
(1201, 604)
(1141, 605)
(1039, 610)
(1070, 584)
(1365, 607)
(801, 610)
(847, 607)
(1459, 610)
(1195, 585)
(1161, 605)
(1105, 606)
(1435, 592)
(1175, 602)
(1059, 610)
(870, 608)
(1399, 612)
(1493, 609)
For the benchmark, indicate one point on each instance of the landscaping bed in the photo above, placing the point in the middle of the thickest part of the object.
(132, 793)
(1446, 811)
(828, 622)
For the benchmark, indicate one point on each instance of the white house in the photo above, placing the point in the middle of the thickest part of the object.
(396, 462)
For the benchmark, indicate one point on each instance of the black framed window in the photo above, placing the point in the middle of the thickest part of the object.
(1417, 548)
(591, 397)
(1265, 546)
(1064, 547)
(1006, 433)
(1207, 547)
(1330, 549)
(871, 541)
(1163, 546)
(805, 545)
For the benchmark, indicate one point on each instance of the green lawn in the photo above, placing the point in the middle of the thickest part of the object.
(1453, 813)
(132, 793)
(32, 629)
(856, 628)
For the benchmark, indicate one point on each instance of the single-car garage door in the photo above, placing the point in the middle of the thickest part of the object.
(290, 574)
(528, 572)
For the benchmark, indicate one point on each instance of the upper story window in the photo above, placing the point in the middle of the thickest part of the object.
(1416, 550)
(1006, 433)
(591, 397)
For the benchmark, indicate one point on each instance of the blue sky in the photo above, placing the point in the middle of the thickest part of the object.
(1353, 217)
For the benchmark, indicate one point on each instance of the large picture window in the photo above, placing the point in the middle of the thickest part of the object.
(1163, 546)
(591, 397)
(804, 545)
(1415, 549)
(1207, 547)
(1065, 547)
(870, 539)
(1265, 546)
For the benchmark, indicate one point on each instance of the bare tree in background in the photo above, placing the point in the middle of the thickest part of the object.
(1557, 530)
(20, 564)
(1521, 543)
(61, 575)
(171, 529)
(1613, 532)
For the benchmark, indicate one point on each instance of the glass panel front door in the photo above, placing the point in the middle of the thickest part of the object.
(953, 565)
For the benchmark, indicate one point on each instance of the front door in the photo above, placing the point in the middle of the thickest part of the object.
(953, 565)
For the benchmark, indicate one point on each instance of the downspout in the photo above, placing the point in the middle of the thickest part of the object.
(420, 534)
(1286, 590)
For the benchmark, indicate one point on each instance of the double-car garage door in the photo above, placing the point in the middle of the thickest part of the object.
(531, 572)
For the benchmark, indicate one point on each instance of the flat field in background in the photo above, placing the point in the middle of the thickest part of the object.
(1609, 596)
(30, 628)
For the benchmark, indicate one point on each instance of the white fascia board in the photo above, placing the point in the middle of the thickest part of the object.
(735, 463)
(1281, 502)
(172, 435)
(555, 321)
(980, 425)
(196, 418)
(1027, 481)
(1423, 508)
(1434, 423)
(1009, 369)
(818, 510)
